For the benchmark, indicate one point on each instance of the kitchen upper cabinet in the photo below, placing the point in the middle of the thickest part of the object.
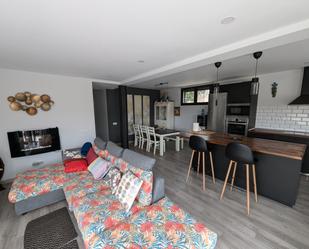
(237, 93)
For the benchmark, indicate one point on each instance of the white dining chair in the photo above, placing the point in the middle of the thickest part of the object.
(152, 140)
(143, 132)
(137, 135)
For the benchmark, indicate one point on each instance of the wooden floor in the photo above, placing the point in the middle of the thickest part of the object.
(270, 224)
(12, 227)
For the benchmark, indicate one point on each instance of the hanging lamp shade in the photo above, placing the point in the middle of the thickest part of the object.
(255, 85)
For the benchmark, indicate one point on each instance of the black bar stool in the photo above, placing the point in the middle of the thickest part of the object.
(240, 153)
(199, 145)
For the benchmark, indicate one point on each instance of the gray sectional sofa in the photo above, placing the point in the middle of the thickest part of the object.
(130, 156)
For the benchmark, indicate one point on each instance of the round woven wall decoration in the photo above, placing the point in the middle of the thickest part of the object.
(30, 102)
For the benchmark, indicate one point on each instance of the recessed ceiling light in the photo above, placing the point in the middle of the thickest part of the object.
(228, 20)
(140, 61)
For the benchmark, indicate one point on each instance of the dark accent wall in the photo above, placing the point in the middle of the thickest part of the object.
(117, 111)
(113, 111)
(123, 116)
(100, 113)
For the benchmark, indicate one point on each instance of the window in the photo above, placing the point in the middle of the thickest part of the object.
(188, 96)
(195, 95)
(202, 96)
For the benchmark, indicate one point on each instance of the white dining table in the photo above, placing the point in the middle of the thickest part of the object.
(164, 133)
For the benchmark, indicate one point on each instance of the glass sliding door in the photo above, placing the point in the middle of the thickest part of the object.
(130, 114)
(138, 114)
(138, 108)
(146, 110)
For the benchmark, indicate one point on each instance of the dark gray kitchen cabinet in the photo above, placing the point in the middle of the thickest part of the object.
(237, 93)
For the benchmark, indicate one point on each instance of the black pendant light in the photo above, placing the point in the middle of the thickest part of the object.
(217, 85)
(255, 80)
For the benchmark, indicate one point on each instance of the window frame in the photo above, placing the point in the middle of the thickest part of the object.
(195, 89)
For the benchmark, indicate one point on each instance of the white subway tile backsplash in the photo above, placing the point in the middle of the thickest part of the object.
(302, 115)
(298, 111)
(296, 119)
(303, 107)
(302, 123)
(287, 117)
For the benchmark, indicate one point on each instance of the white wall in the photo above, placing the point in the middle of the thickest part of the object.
(72, 113)
(188, 113)
(275, 113)
(289, 86)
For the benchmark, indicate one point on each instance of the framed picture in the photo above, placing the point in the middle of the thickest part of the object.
(177, 111)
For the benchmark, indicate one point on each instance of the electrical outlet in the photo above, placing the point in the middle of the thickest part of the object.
(37, 164)
(115, 123)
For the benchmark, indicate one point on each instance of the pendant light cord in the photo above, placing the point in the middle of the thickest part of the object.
(256, 65)
(217, 75)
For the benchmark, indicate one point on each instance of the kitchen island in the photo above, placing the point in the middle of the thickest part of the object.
(286, 136)
(278, 164)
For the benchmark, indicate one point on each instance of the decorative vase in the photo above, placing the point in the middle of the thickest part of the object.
(274, 89)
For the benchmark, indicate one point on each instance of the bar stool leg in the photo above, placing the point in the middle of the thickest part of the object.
(226, 178)
(248, 189)
(203, 170)
(233, 176)
(190, 165)
(198, 163)
(212, 167)
(254, 182)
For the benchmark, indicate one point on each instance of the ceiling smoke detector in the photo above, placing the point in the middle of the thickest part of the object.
(228, 20)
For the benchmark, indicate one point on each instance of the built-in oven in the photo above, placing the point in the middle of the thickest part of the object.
(242, 109)
(237, 125)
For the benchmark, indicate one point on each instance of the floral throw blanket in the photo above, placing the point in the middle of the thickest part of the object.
(39, 181)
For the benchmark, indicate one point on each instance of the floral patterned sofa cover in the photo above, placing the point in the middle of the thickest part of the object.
(104, 223)
(40, 181)
(102, 219)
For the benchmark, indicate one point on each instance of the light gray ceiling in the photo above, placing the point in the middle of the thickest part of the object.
(103, 40)
(287, 57)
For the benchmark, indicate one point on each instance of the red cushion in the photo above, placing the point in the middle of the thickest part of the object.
(75, 166)
(91, 156)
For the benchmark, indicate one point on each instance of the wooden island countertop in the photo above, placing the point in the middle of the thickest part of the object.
(271, 147)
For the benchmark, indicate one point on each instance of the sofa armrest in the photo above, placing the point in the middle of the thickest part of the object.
(158, 191)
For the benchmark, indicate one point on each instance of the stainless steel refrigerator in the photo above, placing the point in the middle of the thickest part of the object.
(217, 112)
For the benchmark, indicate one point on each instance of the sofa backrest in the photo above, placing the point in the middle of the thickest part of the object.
(138, 160)
(100, 143)
(114, 149)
